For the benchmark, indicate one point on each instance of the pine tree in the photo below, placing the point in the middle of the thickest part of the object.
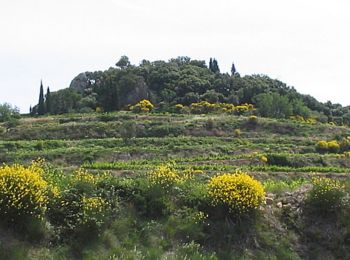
(211, 64)
(48, 101)
(41, 105)
(233, 69)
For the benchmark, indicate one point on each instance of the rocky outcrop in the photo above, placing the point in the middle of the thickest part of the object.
(80, 83)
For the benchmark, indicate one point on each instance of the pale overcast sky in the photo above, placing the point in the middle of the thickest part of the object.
(305, 43)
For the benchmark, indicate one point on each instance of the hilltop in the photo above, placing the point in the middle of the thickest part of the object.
(184, 81)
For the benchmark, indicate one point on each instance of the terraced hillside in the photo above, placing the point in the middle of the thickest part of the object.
(146, 221)
(125, 143)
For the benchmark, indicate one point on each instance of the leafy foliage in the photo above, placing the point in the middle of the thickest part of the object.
(327, 195)
(8, 113)
(185, 81)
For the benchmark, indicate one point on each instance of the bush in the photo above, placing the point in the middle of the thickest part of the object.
(253, 120)
(23, 192)
(327, 195)
(142, 106)
(322, 146)
(328, 146)
(237, 133)
(127, 131)
(333, 146)
(164, 176)
(8, 113)
(278, 159)
(237, 193)
(210, 124)
(84, 204)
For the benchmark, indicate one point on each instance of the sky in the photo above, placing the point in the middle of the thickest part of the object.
(303, 43)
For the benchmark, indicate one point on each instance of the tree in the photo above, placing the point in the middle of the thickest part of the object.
(8, 113)
(41, 105)
(233, 69)
(211, 64)
(64, 101)
(123, 62)
(48, 101)
(215, 68)
(273, 105)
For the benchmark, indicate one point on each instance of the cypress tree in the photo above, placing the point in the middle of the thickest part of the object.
(233, 69)
(215, 68)
(41, 105)
(48, 101)
(211, 64)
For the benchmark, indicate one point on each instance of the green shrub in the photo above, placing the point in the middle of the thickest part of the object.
(186, 224)
(278, 159)
(327, 195)
(237, 133)
(83, 204)
(151, 201)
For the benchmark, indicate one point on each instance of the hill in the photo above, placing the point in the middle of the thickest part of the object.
(285, 155)
(184, 81)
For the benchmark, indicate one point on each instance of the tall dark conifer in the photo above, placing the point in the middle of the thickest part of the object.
(41, 104)
(211, 64)
(48, 101)
(215, 68)
(233, 69)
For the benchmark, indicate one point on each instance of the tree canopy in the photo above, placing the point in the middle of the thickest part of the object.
(184, 81)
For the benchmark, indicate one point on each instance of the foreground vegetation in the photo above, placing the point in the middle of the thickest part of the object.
(165, 212)
(127, 185)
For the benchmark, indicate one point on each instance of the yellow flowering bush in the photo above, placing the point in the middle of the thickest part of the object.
(301, 119)
(164, 176)
(84, 203)
(237, 133)
(205, 107)
(189, 174)
(327, 194)
(333, 146)
(179, 108)
(142, 106)
(83, 176)
(253, 120)
(23, 191)
(263, 159)
(239, 193)
(328, 146)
